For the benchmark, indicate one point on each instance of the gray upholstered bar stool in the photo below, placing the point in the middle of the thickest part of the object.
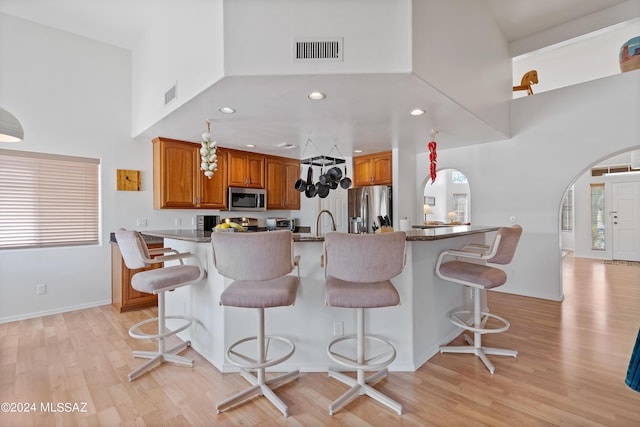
(259, 264)
(137, 255)
(475, 266)
(358, 269)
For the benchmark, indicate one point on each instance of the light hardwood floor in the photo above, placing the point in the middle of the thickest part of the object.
(570, 371)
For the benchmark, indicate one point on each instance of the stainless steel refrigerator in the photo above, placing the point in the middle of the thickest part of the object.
(369, 208)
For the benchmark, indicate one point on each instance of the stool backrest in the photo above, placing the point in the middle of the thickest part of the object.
(253, 256)
(364, 258)
(133, 248)
(507, 244)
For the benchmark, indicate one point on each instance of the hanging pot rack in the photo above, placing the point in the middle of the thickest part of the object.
(322, 160)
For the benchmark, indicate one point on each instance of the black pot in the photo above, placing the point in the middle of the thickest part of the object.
(310, 192)
(300, 185)
(310, 189)
(322, 190)
(334, 185)
(334, 174)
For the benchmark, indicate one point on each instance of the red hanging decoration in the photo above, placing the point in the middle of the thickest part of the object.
(433, 157)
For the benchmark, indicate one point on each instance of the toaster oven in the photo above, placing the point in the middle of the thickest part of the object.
(280, 224)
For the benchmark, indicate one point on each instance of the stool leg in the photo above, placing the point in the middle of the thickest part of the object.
(162, 355)
(361, 385)
(475, 344)
(260, 385)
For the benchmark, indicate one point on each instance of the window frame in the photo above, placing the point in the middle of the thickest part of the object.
(48, 200)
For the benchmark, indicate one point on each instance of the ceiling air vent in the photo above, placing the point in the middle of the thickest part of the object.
(317, 50)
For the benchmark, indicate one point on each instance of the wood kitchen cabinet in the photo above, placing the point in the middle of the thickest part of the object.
(178, 182)
(281, 175)
(123, 296)
(245, 169)
(373, 169)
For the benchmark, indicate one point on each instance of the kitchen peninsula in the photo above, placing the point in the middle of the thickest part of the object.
(417, 327)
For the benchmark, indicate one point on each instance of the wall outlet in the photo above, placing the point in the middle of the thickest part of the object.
(178, 221)
(141, 222)
(41, 289)
(338, 329)
(512, 220)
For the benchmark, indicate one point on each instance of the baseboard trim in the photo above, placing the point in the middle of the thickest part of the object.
(59, 310)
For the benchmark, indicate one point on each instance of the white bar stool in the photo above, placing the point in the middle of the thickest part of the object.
(137, 255)
(477, 274)
(261, 280)
(358, 269)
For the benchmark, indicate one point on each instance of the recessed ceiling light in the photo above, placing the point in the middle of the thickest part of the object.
(226, 110)
(250, 145)
(417, 112)
(358, 151)
(316, 96)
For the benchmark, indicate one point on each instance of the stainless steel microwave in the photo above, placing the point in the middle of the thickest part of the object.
(247, 199)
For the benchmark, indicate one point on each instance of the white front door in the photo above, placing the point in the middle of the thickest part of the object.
(625, 220)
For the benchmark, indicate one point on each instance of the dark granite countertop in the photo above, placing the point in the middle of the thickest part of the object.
(414, 235)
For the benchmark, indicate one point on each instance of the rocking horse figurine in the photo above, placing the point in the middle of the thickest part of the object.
(529, 78)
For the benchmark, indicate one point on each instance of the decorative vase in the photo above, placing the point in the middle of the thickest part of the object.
(630, 55)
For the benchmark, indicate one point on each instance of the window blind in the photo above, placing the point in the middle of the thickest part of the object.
(48, 200)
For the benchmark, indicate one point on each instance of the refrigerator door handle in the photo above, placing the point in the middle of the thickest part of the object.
(365, 211)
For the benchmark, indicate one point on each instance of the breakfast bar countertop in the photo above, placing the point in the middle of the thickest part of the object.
(413, 235)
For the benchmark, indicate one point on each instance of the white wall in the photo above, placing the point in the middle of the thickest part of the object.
(184, 46)
(258, 35)
(458, 49)
(557, 136)
(587, 58)
(72, 96)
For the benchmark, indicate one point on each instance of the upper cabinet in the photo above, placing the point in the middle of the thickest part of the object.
(178, 182)
(282, 174)
(246, 169)
(213, 191)
(372, 169)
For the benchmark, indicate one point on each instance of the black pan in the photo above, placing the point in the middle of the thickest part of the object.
(346, 181)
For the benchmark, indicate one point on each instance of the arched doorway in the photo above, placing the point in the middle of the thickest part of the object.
(448, 199)
(590, 224)
(594, 210)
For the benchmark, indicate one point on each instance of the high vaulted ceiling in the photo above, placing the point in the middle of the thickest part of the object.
(358, 120)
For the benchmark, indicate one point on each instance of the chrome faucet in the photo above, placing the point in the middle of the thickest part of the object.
(333, 221)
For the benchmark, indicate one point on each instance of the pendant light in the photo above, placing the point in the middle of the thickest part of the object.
(10, 127)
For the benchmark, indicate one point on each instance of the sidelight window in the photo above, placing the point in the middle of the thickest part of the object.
(597, 217)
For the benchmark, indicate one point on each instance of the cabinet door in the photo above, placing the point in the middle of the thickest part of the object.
(174, 181)
(255, 170)
(274, 185)
(291, 174)
(237, 169)
(372, 169)
(381, 166)
(362, 173)
(213, 192)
